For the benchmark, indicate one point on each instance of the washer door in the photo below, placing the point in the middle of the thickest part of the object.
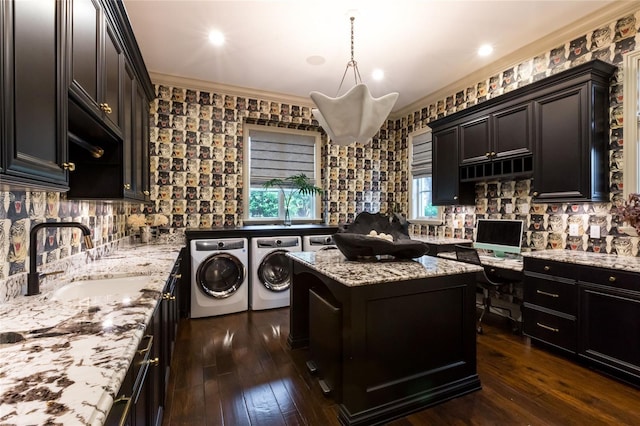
(220, 275)
(274, 272)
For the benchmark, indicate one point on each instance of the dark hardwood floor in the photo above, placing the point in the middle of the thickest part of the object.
(237, 370)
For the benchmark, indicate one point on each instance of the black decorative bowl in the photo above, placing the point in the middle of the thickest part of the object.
(355, 242)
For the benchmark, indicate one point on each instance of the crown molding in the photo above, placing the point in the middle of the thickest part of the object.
(590, 22)
(227, 89)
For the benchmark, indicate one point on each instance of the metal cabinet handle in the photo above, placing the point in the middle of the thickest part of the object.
(127, 408)
(544, 293)
(105, 108)
(177, 276)
(535, 194)
(69, 166)
(154, 362)
(146, 192)
(127, 186)
(546, 327)
(148, 348)
(493, 154)
(168, 296)
(547, 268)
(612, 279)
(455, 197)
(487, 154)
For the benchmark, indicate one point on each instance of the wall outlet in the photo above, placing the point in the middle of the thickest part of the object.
(574, 230)
(508, 208)
(594, 231)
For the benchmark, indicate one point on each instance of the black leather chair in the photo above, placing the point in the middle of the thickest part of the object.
(491, 285)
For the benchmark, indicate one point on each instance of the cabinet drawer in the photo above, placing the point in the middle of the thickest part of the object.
(612, 278)
(551, 294)
(549, 328)
(548, 267)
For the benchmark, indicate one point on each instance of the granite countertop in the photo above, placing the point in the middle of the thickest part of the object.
(513, 263)
(63, 362)
(333, 264)
(601, 260)
(440, 240)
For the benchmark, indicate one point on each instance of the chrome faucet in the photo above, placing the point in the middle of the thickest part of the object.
(33, 278)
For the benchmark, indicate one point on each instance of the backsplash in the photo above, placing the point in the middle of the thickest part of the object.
(196, 166)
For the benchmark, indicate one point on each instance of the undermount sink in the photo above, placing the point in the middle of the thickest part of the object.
(104, 290)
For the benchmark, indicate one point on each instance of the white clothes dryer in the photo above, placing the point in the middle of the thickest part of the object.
(219, 276)
(270, 271)
(318, 242)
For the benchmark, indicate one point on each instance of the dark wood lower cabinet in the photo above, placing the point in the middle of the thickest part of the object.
(594, 316)
(142, 396)
(610, 330)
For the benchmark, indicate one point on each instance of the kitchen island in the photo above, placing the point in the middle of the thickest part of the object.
(405, 330)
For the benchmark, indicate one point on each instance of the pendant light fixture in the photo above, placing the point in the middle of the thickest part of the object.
(355, 116)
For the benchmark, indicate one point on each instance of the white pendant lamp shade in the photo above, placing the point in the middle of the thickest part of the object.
(353, 117)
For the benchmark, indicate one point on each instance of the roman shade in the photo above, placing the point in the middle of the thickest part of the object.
(421, 158)
(280, 155)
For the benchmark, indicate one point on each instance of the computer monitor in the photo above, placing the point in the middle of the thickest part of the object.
(499, 235)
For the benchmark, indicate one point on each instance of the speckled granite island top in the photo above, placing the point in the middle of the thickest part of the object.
(611, 261)
(63, 362)
(333, 264)
(440, 240)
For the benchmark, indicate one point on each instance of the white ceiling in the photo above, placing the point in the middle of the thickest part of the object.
(422, 45)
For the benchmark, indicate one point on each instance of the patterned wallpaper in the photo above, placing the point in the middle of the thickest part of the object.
(197, 157)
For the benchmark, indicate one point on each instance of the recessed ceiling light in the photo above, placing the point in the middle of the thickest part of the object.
(216, 38)
(485, 50)
(377, 74)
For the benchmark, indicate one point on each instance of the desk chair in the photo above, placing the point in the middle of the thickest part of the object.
(491, 285)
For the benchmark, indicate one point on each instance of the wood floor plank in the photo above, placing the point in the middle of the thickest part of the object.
(237, 370)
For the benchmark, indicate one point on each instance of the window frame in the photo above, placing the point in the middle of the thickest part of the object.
(246, 173)
(410, 184)
(631, 150)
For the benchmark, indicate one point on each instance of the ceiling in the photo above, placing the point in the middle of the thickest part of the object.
(275, 46)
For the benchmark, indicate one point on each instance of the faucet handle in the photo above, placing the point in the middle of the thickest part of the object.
(46, 274)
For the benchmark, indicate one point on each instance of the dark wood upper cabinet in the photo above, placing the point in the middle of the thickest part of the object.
(554, 130)
(33, 152)
(475, 141)
(512, 131)
(109, 97)
(96, 62)
(446, 185)
(571, 138)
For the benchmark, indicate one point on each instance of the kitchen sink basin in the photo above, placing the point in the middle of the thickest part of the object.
(105, 290)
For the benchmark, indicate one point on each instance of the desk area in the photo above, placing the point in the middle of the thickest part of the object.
(405, 330)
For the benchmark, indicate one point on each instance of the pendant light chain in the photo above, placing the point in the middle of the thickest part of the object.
(352, 62)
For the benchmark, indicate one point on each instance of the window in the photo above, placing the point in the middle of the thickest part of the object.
(420, 184)
(631, 96)
(279, 153)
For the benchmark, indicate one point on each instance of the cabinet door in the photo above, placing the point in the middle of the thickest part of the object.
(562, 163)
(609, 329)
(141, 145)
(128, 133)
(475, 141)
(86, 32)
(446, 186)
(113, 70)
(34, 93)
(513, 131)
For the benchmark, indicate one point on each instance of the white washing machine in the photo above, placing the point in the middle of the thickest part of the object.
(318, 242)
(219, 276)
(270, 271)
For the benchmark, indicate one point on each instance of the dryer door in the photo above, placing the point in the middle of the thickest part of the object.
(274, 272)
(220, 275)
